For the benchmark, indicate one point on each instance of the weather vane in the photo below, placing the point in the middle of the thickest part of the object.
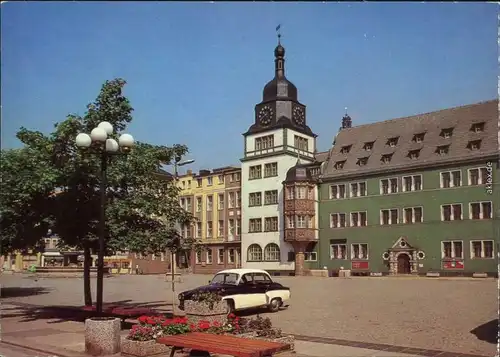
(279, 32)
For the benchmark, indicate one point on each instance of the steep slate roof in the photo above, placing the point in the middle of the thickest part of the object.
(321, 156)
(459, 118)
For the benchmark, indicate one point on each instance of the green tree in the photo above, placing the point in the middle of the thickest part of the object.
(61, 187)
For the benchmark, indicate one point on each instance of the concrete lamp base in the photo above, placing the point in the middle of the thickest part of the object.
(102, 336)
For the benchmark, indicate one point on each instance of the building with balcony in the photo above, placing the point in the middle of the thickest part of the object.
(414, 195)
(214, 199)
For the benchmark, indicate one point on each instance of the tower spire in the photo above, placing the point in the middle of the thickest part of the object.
(279, 54)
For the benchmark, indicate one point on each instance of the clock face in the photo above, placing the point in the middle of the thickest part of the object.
(299, 116)
(265, 115)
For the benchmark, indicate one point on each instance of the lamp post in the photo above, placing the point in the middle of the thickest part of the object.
(177, 163)
(104, 148)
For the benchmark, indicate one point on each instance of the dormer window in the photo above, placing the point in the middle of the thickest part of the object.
(345, 149)
(392, 142)
(339, 165)
(386, 158)
(474, 145)
(418, 138)
(477, 127)
(446, 133)
(368, 146)
(362, 161)
(443, 149)
(414, 154)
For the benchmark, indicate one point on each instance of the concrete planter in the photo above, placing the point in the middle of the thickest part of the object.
(102, 336)
(143, 348)
(199, 311)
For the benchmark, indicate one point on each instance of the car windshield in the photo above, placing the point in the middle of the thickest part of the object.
(225, 278)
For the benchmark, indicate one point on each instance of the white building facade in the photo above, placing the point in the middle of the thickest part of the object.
(275, 142)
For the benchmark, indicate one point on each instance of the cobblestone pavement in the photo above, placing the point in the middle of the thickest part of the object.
(456, 315)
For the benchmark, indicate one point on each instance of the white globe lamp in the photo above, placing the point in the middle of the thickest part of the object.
(108, 128)
(98, 135)
(126, 141)
(83, 140)
(112, 145)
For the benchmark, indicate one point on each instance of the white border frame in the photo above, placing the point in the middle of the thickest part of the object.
(412, 183)
(346, 251)
(471, 251)
(209, 250)
(389, 186)
(412, 214)
(229, 256)
(367, 252)
(452, 214)
(338, 219)
(357, 184)
(390, 217)
(346, 189)
(451, 178)
(453, 256)
(218, 256)
(480, 179)
(481, 213)
(311, 260)
(358, 212)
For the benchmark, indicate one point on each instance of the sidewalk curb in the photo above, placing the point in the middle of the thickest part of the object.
(38, 347)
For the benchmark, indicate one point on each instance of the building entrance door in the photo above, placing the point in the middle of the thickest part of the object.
(404, 264)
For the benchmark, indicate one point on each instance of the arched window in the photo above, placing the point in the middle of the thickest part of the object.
(254, 253)
(272, 252)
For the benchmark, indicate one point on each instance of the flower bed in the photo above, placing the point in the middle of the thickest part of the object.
(141, 340)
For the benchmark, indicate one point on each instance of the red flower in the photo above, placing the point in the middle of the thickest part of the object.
(231, 316)
(192, 326)
(143, 319)
(167, 322)
(216, 324)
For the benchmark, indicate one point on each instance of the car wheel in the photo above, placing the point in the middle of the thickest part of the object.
(229, 307)
(274, 305)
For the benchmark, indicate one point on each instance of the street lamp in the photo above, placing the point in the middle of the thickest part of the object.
(173, 261)
(105, 147)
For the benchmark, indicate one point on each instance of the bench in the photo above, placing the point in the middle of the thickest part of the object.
(122, 312)
(223, 344)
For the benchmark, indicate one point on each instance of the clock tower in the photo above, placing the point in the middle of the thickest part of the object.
(278, 136)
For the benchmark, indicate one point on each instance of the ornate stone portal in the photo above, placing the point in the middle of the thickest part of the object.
(403, 258)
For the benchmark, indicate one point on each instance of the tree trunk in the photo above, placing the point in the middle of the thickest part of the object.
(87, 292)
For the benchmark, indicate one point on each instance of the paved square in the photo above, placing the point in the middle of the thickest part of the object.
(444, 314)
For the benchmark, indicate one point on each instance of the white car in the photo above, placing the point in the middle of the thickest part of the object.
(244, 289)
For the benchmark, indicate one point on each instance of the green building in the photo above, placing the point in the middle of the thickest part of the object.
(413, 195)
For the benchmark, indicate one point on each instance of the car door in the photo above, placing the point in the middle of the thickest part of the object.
(262, 282)
(250, 293)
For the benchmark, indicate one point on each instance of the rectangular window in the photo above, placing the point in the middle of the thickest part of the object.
(388, 186)
(189, 204)
(338, 251)
(337, 220)
(221, 228)
(221, 179)
(232, 200)
(301, 143)
(337, 191)
(412, 183)
(210, 203)
(451, 179)
(198, 204)
(480, 176)
(359, 251)
(220, 256)
(232, 227)
(271, 224)
(210, 181)
(451, 212)
(301, 193)
(238, 199)
(481, 249)
(238, 226)
(182, 202)
(255, 199)
(209, 229)
(255, 172)
(412, 215)
(271, 197)
(310, 256)
(230, 256)
(220, 203)
(480, 210)
(452, 249)
(264, 142)
(290, 222)
(209, 256)
(198, 257)
(271, 169)
(290, 193)
(302, 221)
(389, 216)
(199, 182)
(255, 225)
(198, 229)
(358, 189)
(358, 219)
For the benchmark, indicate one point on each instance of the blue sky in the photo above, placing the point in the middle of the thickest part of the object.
(196, 70)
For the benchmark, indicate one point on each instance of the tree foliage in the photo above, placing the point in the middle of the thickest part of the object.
(49, 182)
